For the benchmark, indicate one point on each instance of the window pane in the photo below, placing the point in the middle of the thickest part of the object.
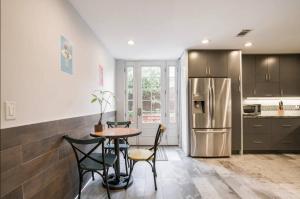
(146, 106)
(146, 94)
(151, 94)
(172, 94)
(130, 106)
(129, 84)
(130, 93)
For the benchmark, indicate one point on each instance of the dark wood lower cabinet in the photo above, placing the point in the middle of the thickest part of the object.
(278, 134)
(285, 134)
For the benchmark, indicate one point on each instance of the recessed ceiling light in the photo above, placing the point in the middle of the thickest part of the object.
(205, 41)
(130, 42)
(248, 44)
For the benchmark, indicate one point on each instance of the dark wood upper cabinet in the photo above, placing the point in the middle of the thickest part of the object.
(261, 68)
(290, 75)
(273, 68)
(208, 63)
(197, 63)
(267, 68)
(217, 63)
(267, 89)
(248, 63)
(266, 75)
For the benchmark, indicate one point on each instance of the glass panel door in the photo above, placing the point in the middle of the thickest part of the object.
(150, 93)
(131, 99)
(171, 105)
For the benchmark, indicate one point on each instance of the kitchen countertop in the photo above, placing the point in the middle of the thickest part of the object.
(276, 114)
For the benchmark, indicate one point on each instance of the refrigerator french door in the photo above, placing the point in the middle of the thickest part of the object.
(210, 117)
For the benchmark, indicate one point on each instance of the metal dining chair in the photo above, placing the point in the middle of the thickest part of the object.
(148, 155)
(123, 142)
(90, 161)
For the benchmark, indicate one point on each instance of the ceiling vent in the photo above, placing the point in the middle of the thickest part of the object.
(243, 32)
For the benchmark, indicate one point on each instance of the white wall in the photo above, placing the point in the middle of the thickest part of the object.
(184, 102)
(30, 71)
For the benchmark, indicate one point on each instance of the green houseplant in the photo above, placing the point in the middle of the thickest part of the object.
(102, 97)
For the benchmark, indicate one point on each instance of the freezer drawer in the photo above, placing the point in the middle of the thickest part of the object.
(210, 142)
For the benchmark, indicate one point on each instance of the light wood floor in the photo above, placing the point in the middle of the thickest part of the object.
(247, 176)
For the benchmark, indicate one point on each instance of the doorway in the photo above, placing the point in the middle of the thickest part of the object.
(151, 97)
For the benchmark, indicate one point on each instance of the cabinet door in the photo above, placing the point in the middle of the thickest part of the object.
(197, 64)
(217, 61)
(261, 68)
(267, 76)
(248, 65)
(290, 75)
(256, 134)
(284, 134)
(267, 89)
(273, 68)
(234, 72)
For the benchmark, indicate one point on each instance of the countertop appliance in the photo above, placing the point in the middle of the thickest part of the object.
(210, 117)
(252, 109)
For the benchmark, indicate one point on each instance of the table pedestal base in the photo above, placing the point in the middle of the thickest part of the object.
(115, 184)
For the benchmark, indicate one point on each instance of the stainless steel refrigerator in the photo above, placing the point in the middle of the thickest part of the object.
(210, 117)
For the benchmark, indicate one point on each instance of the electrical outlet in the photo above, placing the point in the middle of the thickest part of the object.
(10, 110)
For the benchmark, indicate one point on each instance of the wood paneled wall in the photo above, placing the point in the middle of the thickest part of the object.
(37, 163)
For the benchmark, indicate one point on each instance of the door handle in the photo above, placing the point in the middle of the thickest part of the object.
(139, 112)
(266, 76)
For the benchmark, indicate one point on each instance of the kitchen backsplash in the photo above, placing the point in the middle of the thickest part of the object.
(285, 107)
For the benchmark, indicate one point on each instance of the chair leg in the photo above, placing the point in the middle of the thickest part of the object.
(154, 166)
(126, 162)
(106, 182)
(93, 176)
(80, 185)
(131, 165)
(154, 175)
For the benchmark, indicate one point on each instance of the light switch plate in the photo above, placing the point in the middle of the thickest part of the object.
(10, 110)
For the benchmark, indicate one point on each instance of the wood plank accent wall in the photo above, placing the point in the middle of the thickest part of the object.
(37, 163)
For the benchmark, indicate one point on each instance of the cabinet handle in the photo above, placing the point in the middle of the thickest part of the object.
(286, 125)
(269, 77)
(266, 76)
(209, 70)
(258, 125)
(281, 92)
(257, 142)
(254, 91)
(206, 70)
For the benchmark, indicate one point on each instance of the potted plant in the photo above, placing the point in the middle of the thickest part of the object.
(103, 97)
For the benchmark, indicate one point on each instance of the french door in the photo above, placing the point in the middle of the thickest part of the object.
(151, 98)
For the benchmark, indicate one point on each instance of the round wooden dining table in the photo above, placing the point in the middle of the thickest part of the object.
(117, 180)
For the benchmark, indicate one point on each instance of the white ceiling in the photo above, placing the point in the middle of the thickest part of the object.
(163, 29)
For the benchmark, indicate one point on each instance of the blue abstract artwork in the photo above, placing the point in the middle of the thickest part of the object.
(66, 56)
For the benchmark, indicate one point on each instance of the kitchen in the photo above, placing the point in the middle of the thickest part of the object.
(163, 99)
(265, 86)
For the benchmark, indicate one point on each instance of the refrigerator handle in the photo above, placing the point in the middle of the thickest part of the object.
(212, 104)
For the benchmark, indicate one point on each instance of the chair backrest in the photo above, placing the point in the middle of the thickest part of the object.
(160, 130)
(125, 124)
(95, 141)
